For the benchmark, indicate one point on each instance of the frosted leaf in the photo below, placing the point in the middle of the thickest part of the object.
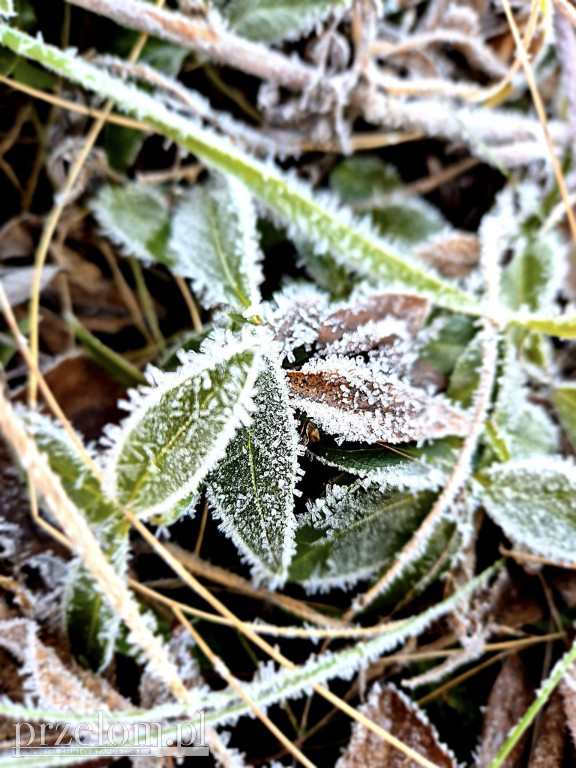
(361, 403)
(444, 341)
(48, 681)
(252, 489)
(535, 275)
(296, 317)
(136, 218)
(269, 21)
(180, 427)
(215, 244)
(370, 323)
(424, 467)
(466, 374)
(534, 502)
(564, 399)
(364, 179)
(518, 428)
(93, 627)
(396, 713)
(353, 532)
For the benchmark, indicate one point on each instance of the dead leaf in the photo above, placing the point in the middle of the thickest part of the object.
(356, 402)
(384, 318)
(510, 697)
(50, 682)
(396, 713)
(17, 282)
(548, 751)
(454, 256)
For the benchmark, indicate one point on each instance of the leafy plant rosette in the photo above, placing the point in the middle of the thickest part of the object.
(380, 349)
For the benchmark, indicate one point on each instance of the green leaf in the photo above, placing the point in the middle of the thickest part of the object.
(409, 222)
(252, 489)
(353, 532)
(531, 280)
(534, 501)
(179, 428)
(92, 625)
(466, 374)
(332, 228)
(137, 218)
(268, 21)
(446, 340)
(519, 428)
(214, 242)
(564, 399)
(363, 178)
(427, 464)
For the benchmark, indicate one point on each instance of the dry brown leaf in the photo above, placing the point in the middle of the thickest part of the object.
(396, 713)
(548, 751)
(50, 682)
(341, 331)
(510, 697)
(355, 402)
(454, 256)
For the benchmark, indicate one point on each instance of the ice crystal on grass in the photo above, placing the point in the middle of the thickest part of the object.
(214, 243)
(252, 489)
(358, 402)
(179, 428)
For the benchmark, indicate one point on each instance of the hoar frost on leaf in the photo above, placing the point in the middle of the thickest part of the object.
(354, 531)
(179, 428)
(215, 244)
(363, 403)
(252, 489)
(534, 501)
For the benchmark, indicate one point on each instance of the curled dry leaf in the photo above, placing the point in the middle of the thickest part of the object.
(355, 402)
(397, 714)
(453, 256)
(510, 697)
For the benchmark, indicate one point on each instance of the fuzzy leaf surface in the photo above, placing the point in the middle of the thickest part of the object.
(179, 428)
(137, 219)
(268, 21)
(93, 627)
(214, 243)
(252, 489)
(534, 501)
(532, 278)
(353, 532)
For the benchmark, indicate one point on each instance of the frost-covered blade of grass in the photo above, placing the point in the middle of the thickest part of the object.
(355, 531)
(252, 489)
(7, 8)
(318, 217)
(93, 627)
(214, 243)
(534, 501)
(178, 429)
(269, 21)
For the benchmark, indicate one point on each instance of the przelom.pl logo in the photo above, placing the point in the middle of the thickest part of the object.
(100, 738)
